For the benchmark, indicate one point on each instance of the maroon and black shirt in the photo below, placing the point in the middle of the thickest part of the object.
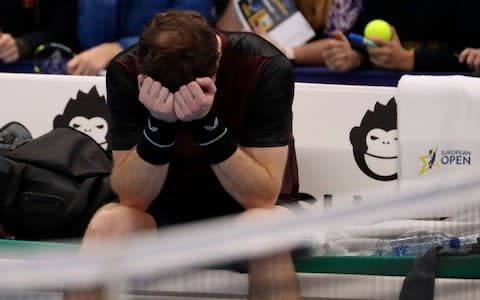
(255, 89)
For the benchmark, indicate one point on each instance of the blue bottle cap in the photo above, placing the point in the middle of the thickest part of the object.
(455, 243)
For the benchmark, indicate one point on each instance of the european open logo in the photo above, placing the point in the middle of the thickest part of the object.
(451, 157)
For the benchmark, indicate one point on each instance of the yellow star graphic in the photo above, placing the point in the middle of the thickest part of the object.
(428, 161)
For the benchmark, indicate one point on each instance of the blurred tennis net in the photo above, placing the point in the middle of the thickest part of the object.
(209, 259)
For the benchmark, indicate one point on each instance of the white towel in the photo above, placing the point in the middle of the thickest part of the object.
(438, 124)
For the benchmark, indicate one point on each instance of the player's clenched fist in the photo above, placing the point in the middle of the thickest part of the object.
(194, 100)
(156, 98)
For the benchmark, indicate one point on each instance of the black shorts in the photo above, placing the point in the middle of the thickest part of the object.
(170, 210)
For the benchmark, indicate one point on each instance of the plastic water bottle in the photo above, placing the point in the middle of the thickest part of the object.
(415, 244)
(469, 239)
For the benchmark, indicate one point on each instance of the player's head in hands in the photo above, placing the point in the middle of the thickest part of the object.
(177, 47)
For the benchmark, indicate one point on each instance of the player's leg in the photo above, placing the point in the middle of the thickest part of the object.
(113, 221)
(272, 276)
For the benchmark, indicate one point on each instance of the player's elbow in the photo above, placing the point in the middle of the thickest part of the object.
(129, 198)
(134, 202)
(265, 197)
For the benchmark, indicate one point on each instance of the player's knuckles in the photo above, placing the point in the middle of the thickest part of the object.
(146, 99)
(147, 83)
(164, 90)
(183, 89)
(192, 86)
(178, 97)
(156, 86)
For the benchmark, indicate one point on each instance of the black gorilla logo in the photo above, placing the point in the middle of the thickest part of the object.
(89, 114)
(375, 142)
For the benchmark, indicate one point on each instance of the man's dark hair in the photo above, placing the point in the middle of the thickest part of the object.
(176, 47)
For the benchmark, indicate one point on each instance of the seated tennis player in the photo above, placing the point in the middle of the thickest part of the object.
(201, 128)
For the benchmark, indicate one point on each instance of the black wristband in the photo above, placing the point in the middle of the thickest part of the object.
(216, 143)
(157, 141)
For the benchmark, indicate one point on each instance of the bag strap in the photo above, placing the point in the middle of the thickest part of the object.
(419, 283)
(12, 135)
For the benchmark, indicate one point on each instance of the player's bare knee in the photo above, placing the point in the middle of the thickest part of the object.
(106, 220)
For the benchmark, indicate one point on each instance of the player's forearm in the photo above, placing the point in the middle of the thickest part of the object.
(139, 175)
(252, 175)
(248, 181)
(137, 182)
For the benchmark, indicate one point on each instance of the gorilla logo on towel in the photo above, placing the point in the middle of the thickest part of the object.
(88, 114)
(375, 142)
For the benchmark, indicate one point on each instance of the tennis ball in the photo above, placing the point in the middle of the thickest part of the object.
(378, 29)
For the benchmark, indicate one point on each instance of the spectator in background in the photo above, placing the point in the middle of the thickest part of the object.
(427, 36)
(325, 16)
(105, 28)
(26, 24)
(471, 57)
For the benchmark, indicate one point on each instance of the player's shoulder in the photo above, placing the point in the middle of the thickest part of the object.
(126, 60)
